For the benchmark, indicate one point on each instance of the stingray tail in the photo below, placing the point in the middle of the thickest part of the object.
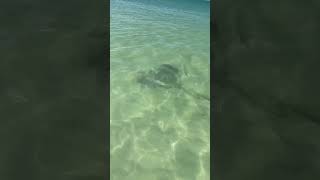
(196, 94)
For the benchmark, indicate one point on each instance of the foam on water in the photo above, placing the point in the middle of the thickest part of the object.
(159, 134)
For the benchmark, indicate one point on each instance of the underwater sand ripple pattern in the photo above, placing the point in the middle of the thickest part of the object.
(158, 134)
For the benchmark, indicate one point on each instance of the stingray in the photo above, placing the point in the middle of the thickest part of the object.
(165, 76)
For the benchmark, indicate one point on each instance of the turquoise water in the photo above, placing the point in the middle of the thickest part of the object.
(159, 133)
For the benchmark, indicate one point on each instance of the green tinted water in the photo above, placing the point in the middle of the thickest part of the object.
(157, 133)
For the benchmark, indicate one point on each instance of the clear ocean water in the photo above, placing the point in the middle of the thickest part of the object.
(159, 133)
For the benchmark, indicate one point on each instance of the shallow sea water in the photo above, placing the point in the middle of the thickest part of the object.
(157, 133)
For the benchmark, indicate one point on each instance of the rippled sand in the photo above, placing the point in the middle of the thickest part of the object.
(159, 134)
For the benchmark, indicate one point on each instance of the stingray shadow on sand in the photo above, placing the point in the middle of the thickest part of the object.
(166, 76)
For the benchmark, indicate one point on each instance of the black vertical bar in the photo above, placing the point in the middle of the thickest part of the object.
(266, 107)
(108, 88)
(54, 90)
(213, 119)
